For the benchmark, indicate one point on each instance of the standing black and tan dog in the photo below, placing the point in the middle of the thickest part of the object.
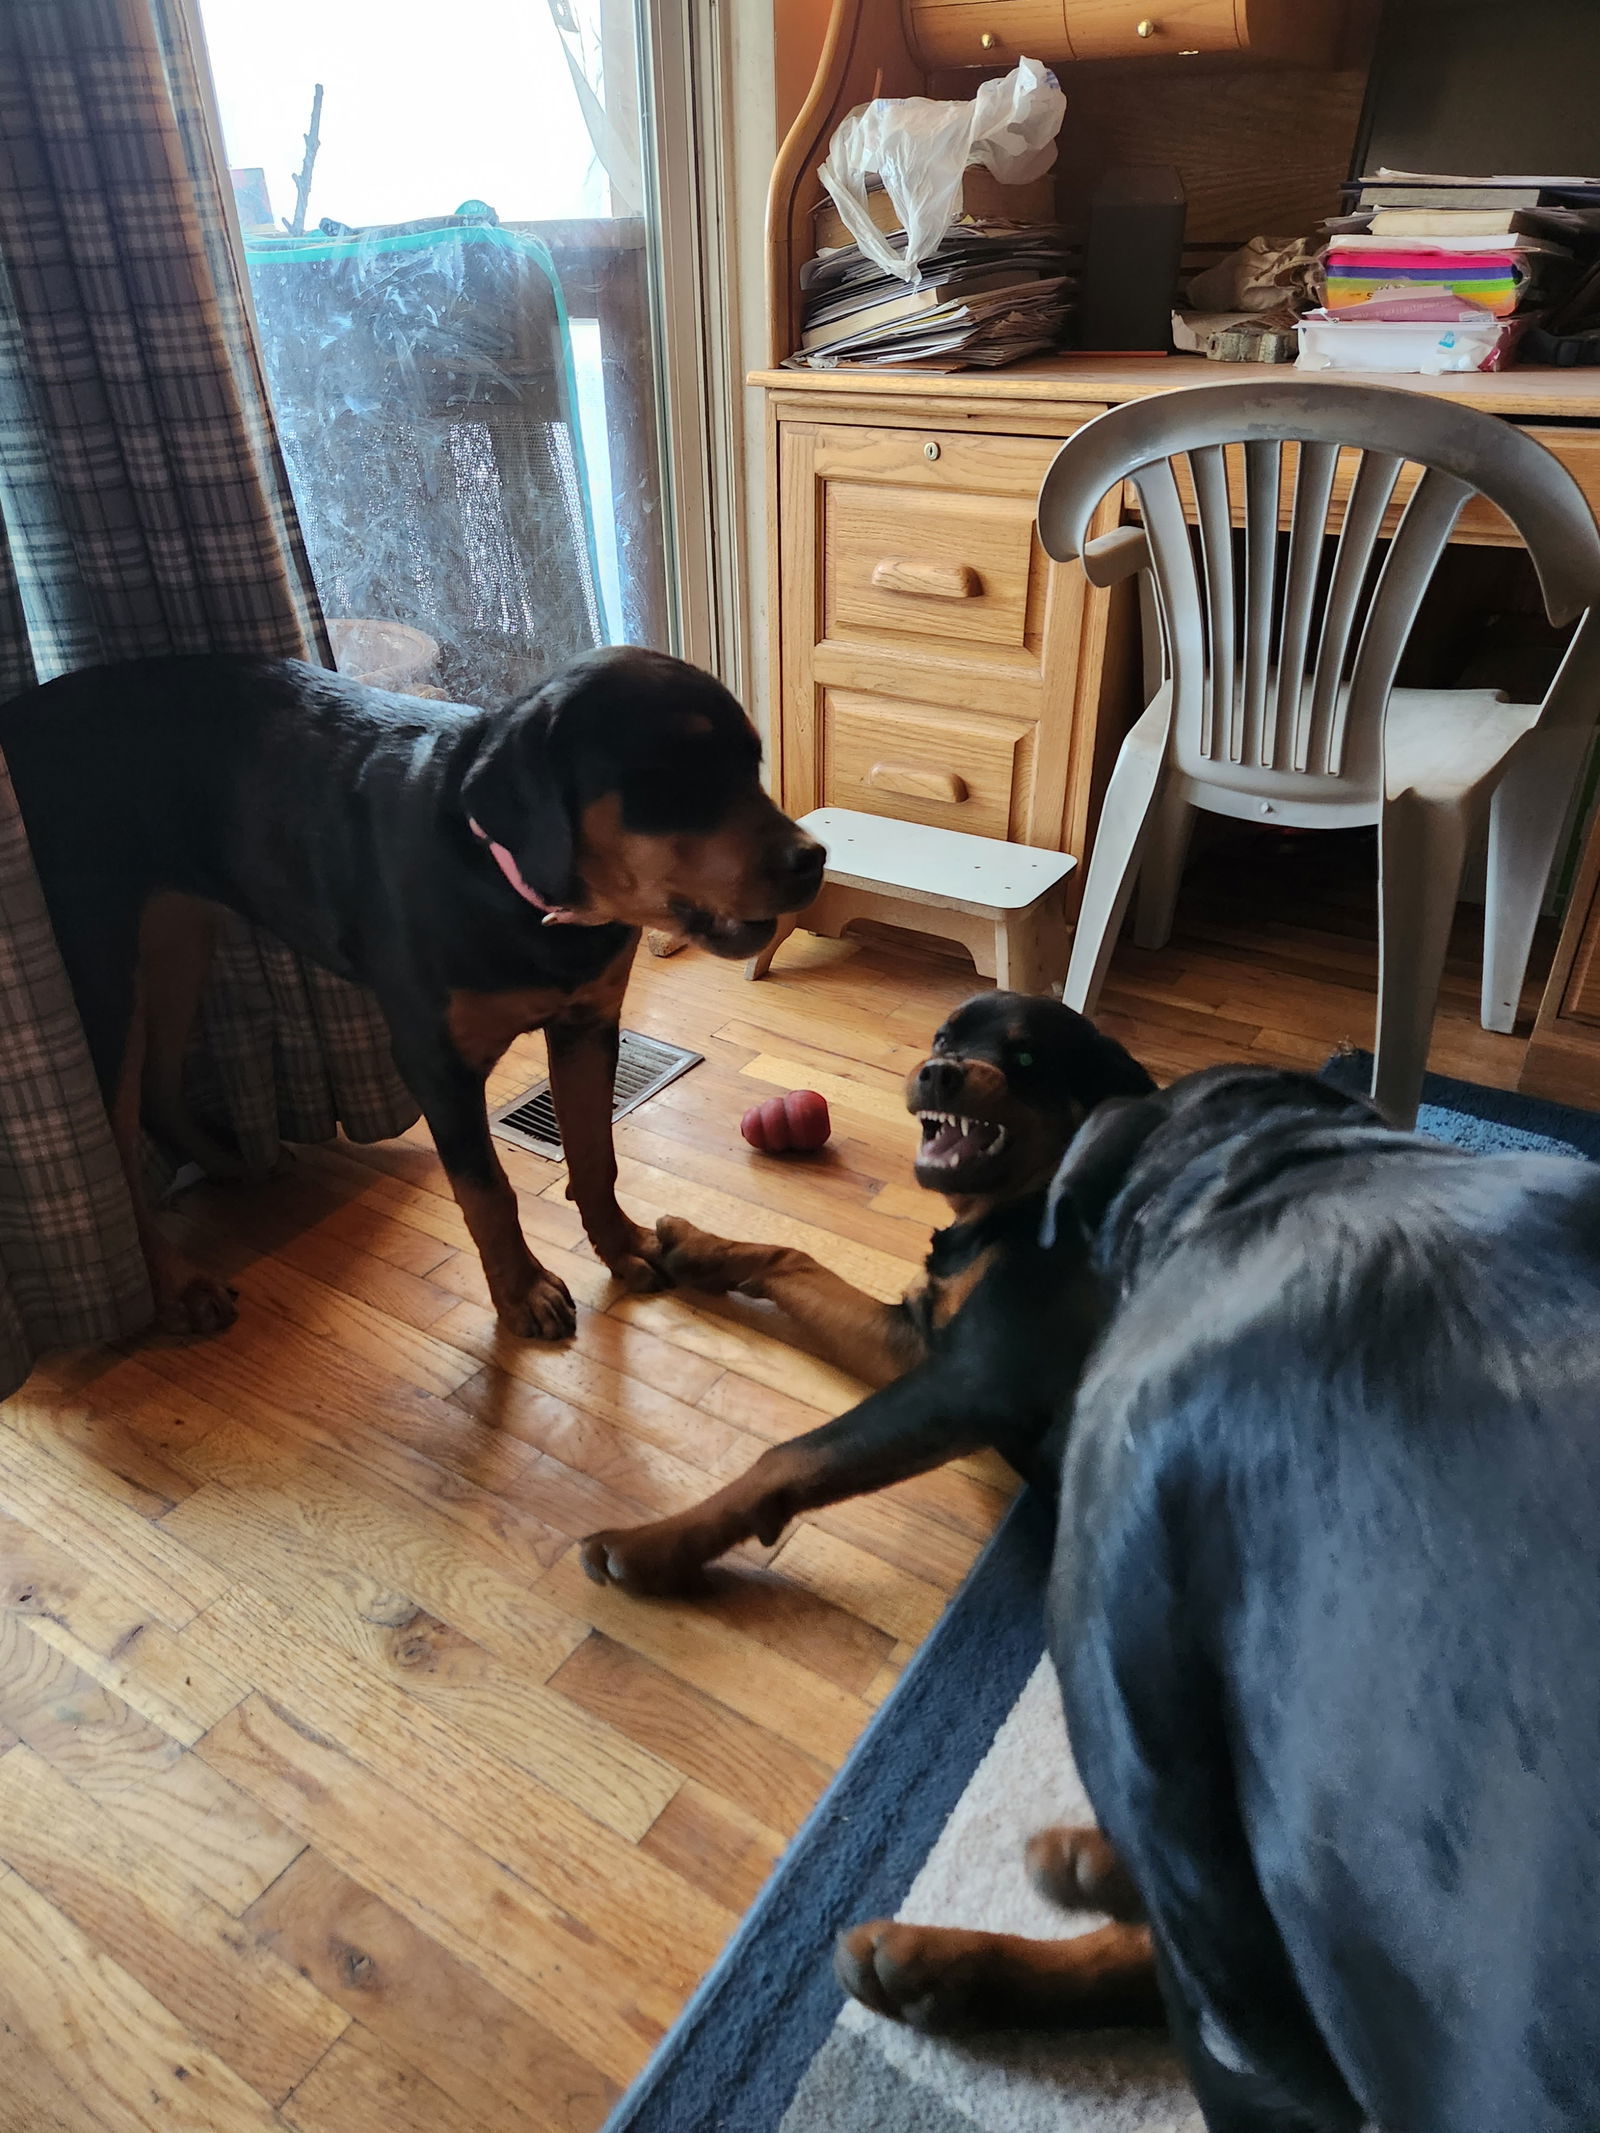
(1010, 1079)
(1324, 1608)
(485, 872)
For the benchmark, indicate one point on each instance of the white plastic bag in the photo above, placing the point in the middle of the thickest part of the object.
(919, 149)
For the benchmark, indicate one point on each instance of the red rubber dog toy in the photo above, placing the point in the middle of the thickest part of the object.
(792, 1124)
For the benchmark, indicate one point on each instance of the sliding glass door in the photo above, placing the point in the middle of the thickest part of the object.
(446, 223)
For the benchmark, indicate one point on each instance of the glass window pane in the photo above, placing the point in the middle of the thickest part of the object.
(445, 234)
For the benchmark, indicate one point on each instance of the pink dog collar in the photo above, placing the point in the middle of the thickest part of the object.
(554, 914)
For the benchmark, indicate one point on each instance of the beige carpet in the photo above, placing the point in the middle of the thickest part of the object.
(873, 2076)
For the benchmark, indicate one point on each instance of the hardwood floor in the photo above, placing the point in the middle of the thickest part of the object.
(331, 1795)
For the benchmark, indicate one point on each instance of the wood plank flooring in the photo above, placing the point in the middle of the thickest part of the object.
(332, 1797)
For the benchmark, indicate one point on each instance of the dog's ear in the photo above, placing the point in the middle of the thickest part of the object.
(1102, 1069)
(515, 791)
(1095, 1167)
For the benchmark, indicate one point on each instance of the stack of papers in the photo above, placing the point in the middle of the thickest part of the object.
(1423, 248)
(991, 293)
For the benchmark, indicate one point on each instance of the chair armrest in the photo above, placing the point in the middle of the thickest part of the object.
(1115, 556)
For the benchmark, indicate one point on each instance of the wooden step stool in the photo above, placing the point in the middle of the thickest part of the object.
(1004, 902)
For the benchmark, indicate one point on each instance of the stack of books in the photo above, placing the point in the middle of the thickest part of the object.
(991, 293)
(1424, 249)
(1491, 257)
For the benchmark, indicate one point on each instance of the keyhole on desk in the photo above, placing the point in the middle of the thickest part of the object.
(930, 450)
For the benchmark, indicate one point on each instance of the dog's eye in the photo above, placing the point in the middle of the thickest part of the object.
(1022, 1059)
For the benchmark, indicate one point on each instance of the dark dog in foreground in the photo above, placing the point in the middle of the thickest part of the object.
(1010, 1079)
(1324, 1611)
(486, 873)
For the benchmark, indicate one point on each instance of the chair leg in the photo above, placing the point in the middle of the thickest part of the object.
(1113, 867)
(1525, 823)
(761, 962)
(1161, 869)
(1422, 851)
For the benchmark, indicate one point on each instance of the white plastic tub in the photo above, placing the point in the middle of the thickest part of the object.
(1427, 347)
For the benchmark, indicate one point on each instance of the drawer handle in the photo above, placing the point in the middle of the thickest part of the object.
(941, 581)
(918, 783)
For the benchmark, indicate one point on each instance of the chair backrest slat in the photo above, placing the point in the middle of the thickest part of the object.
(1177, 585)
(1352, 563)
(1209, 469)
(1420, 539)
(1262, 478)
(1313, 491)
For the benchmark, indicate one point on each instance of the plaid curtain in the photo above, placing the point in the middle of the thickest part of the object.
(143, 510)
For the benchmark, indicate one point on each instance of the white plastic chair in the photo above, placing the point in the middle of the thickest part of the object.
(1276, 698)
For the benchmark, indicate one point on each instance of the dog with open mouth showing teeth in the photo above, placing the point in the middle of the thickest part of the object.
(1010, 1079)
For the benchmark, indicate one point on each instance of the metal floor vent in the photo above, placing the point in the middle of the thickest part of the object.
(644, 1067)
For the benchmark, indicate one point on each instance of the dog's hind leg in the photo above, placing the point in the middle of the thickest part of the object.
(942, 1979)
(176, 937)
(1078, 1868)
(97, 925)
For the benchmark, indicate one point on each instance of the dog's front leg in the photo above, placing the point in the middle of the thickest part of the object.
(874, 1341)
(908, 1428)
(582, 1048)
(528, 1299)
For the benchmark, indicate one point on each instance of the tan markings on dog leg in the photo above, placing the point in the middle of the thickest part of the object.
(940, 1979)
(529, 1300)
(669, 1554)
(187, 1299)
(582, 1045)
(873, 1341)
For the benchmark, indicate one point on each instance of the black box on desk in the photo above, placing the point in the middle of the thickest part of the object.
(1131, 261)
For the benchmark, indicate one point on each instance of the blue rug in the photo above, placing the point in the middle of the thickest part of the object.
(761, 2045)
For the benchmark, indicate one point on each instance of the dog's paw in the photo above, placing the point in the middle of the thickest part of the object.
(545, 1310)
(633, 1257)
(694, 1259)
(931, 1978)
(642, 1561)
(1077, 1867)
(638, 1275)
(189, 1302)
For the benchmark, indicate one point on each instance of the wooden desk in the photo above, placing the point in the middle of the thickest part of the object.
(929, 660)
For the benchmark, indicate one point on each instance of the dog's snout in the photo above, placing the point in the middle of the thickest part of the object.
(938, 1083)
(805, 860)
(797, 871)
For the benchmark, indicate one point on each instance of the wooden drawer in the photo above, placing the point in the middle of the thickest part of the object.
(886, 756)
(1138, 29)
(938, 544)
(996, 33)
(987, 33)
(957, 567)
(929, 656)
